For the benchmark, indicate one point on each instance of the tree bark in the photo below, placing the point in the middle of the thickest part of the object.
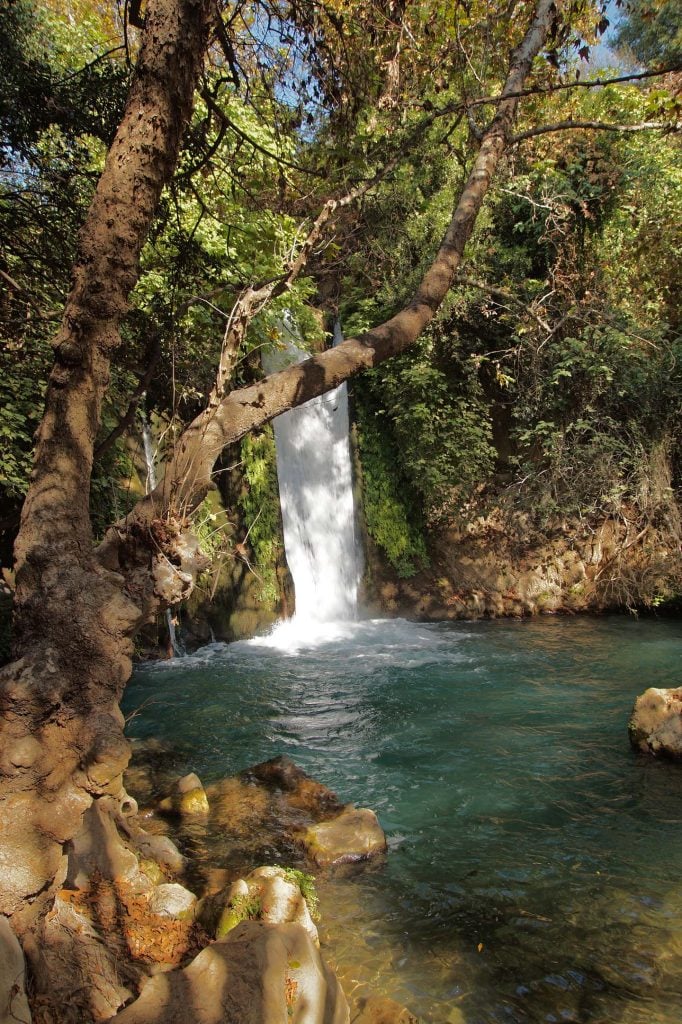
(61, 738)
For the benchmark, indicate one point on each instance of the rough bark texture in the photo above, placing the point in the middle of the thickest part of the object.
(61, 738)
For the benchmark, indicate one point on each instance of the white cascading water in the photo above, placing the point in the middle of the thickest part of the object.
(316, 496)
(150, 483)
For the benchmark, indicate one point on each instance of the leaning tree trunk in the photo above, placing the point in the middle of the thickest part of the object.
(61, 738)
(61, 731)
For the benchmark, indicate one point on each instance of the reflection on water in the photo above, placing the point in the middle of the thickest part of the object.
(535, 866)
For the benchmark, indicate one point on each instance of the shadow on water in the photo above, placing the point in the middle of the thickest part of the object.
(534, 867)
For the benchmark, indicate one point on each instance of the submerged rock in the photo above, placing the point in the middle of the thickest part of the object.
(656, 722)
(381, 1010)
(260, 974)
(353, 835)
(329, 831)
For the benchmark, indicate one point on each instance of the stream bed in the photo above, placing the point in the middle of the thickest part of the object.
(535, 861)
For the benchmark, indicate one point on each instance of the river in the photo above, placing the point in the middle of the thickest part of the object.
(535, 861)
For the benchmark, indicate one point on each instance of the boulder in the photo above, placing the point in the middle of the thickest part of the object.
(186, 797)
(158, 848)
(353, 835)
(13, 1001)
(173, 900)
(260, 974)
(656, 722)
(269, 894)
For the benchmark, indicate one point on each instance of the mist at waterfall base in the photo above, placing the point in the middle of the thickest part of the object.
(535, 866)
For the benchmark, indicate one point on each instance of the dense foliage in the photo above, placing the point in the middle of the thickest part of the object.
(550, 379)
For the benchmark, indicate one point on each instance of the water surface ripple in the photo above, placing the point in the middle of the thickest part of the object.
(535, 865)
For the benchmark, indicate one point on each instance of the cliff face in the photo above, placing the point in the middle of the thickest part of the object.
(495, 567)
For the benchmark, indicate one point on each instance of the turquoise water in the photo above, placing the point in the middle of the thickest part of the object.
(535, 862)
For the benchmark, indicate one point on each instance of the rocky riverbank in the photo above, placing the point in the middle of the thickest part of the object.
(174, 938)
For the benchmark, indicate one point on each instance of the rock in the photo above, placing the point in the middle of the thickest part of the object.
(280, 773)
(353, 835)
(275, 808)
(173, 900)
(656, 722)
(261, 974)
(13, 1001)
(269, 894)
(187, 797)
(160, 849)
(380, 1010)
(76, 968)
(99, 849)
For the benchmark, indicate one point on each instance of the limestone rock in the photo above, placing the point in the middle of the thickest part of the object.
(160, 849)
(261, 974)
(100, 849)
(173, 900)
(77, 968)
(13, 1002)
(268, 894)
(353, 835)
(187, 797)
(656, 722)
(380, 1010)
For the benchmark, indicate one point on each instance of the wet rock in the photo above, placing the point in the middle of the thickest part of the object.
(271, 894)
(260, 974)
(353, 835)
(656, 722)
(13, 1001)
(328, 831)
(186, 797)
(281, 774)
(173, 900)
(380, 1010)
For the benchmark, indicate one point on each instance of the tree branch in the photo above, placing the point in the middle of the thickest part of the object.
(103, 447)
(255, 297)
(188, 474)
(601, 126)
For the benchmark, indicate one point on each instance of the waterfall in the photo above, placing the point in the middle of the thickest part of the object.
(176, 645)
(149, 460)
(316, 496)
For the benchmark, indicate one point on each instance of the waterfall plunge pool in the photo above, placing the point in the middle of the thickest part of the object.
(535, 861)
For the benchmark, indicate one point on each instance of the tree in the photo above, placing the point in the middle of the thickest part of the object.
(77, 605)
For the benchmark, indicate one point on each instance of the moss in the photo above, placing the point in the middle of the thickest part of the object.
(259, 504)
(389, 505)
(240, 908)
(306, 885)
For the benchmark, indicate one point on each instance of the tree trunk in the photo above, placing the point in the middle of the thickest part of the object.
(61, 737)
(61, 730)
